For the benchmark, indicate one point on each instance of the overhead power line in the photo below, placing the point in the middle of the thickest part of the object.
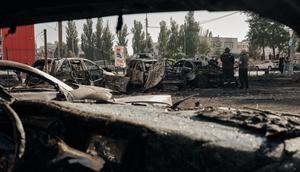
(205, 21)
(218, 18)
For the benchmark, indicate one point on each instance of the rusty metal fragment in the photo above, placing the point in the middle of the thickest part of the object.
(91, 93)
(160, 100)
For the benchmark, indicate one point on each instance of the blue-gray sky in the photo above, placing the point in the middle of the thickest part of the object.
(234, 25)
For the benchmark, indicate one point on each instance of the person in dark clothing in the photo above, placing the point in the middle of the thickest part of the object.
(227, 66)
(243, 69)
(280, 66)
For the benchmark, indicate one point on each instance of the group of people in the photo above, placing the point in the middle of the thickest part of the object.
(228, 68)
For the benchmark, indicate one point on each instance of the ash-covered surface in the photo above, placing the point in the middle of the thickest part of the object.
(271, 92)
(175, 141)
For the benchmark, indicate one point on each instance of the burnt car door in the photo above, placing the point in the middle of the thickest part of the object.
(95, 72)
(136, 72)
(79, 72)
(61, 69)
(155, 73)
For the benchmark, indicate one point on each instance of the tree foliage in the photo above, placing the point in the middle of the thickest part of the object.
(122, 37)
(163, 38)
(88, 39)
(99, 55)
(204, 47)
(138, 37)
(191, 31)
(174, 45)
(148, 45)
(266, 33)
(107, 46)
(72, 37)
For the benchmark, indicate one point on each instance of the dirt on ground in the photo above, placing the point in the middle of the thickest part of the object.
(268, 92)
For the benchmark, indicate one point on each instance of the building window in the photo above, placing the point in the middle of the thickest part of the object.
(228, 45)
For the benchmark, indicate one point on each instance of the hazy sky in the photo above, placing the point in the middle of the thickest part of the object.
(234, 25)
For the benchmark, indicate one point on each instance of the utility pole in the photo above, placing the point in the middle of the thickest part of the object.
(146, 34)
(46, 51)
(60, 54)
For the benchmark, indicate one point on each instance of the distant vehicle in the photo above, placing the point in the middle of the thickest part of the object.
(267, 65)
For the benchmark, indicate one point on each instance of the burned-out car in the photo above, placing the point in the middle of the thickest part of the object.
(24, 82)
(28, 83)
(192, 72)
(145, 72)
(82, 71)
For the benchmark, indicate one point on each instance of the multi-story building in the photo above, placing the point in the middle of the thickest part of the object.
(218, 44)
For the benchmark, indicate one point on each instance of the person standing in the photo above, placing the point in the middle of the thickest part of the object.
(286, 65)
(280, 66)
(243, 69)
(227, 66)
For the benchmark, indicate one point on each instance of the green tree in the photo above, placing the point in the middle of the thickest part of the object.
(72, 37)
(148, 44)
(257, 35)
(122, 37)
(163, 38)
(278, 37)
(98, 40)
(204, 47)
(138, 37)
(266, 33)
(107, 46)
(181, 38)
(192, 30)
(174, 45)
(88, 39)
